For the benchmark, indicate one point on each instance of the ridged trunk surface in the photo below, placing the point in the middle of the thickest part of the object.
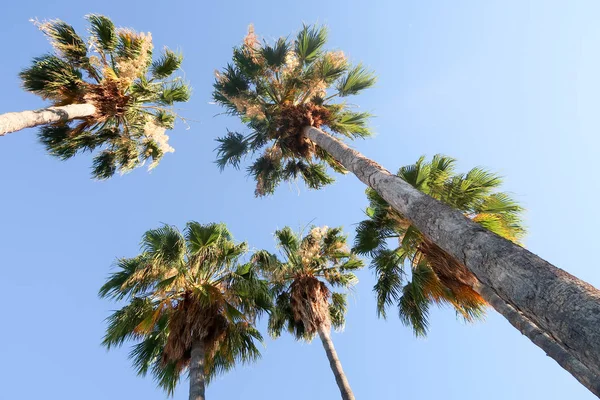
(197, 378)
(565, 308)
(334, 363)
(550, 346)
(15, 121)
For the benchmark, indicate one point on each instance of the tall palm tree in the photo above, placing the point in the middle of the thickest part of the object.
(191, 305)
(436, 277)
(106, 94)
(286, 95)
(303, 286)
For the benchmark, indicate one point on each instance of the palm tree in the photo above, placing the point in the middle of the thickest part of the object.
(303, 287)
(191, 304)
(106, 94)
(285, 94)
(436, 277)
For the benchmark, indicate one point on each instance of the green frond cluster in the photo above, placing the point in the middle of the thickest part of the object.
(112, 70)
(182, 287)
(314, 264)
(436, 278)
(277, 90)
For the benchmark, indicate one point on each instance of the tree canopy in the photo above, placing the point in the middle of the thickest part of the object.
(304, 282)
(185, 287)
(114, 71)
(278, 89)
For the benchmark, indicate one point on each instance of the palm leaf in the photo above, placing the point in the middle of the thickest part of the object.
(309, 42)
(103, 32)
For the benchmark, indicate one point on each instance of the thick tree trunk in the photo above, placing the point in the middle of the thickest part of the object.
(550, 346)
(562, 306)
(15, 121)
(197, 379)
(335, 364)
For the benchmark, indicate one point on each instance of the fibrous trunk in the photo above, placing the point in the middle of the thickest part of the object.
(15, 121)
(562, 306)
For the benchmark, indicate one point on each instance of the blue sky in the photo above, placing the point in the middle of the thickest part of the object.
(509, 85)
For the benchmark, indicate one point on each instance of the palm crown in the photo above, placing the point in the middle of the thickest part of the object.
(302, 282)
(113, 71)
(436, 276)
(279, 89)
(182, 288)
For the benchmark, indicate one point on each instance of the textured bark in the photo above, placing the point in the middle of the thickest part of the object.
(15, 121)
(334, 363)
(550, 346)
(197, 379)
(565, 308)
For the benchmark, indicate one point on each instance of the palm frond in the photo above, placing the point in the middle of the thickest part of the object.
(337, 310)
(175, 92)
(52, 78)
(309, 42)
(119, 284)
(104, 165)
(166, 245)
(122, 323)
(103, 32)
(66, 41)
(356, 80)
(231, 149)
(275, 56)
(389, 273)
(352, 124)
(166, 65)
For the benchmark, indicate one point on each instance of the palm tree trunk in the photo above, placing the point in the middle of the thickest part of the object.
(563, 307)
(15, 121)
(334, 363)
(197, 379)
(548, 344)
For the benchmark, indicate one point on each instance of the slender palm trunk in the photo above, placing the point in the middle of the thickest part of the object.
(197, 378)
(335, 364)
(15, 121)
(548, 344)
(563, 307)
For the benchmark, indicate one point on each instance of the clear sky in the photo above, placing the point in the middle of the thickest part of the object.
(510, 85)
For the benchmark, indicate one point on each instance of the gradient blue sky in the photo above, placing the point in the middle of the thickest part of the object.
(510, 85)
